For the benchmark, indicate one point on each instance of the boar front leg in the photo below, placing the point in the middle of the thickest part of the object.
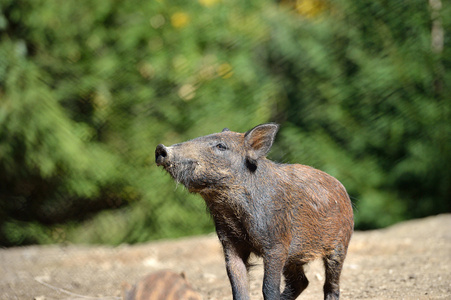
(237, 266)
(273, 262)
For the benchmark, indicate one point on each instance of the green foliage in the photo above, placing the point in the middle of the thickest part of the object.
(373, 108)
(88, 89)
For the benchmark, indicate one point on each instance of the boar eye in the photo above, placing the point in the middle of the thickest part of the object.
(221, 147)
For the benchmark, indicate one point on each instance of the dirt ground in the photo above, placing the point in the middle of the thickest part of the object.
(410, 260)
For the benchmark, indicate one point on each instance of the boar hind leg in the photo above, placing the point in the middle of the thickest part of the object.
(295, 281)
(333, 265)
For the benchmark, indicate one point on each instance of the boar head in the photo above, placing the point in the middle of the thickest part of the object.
(217, 160)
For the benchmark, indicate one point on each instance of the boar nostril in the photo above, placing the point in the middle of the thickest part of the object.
(161, 154)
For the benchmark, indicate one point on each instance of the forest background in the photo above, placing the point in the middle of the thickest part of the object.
(89, 88)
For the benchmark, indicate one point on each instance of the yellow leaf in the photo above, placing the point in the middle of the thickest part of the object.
(208, 3)
(179, 19)
(310, 8)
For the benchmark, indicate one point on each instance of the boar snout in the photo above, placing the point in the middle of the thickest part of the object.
(161, 155)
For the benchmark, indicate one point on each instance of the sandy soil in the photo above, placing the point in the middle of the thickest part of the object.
(410, 260)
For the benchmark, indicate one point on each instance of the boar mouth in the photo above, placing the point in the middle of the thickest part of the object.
(183, 172)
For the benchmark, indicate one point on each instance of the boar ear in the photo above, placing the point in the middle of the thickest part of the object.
(225, 129)
(258, 141)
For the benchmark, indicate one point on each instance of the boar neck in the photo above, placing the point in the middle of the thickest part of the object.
(239, 208)
(248, 189)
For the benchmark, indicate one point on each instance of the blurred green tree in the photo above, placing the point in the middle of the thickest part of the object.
(367, 100)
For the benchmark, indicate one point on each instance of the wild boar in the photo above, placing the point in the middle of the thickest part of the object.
(289, 214)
